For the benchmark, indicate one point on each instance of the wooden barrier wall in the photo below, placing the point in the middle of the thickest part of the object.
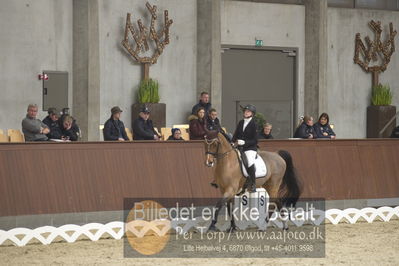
(40, 178)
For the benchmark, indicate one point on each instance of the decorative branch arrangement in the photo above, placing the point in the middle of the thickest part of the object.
(142, 36)
(375, 49)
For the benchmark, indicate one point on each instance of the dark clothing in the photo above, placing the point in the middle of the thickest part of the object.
(262, 135)
(249, 135)
(197, 128)
(207, 107)
(54, 126)
(172, 138)
(74, 129)
(114, 129)
(395, 132)
(72, 134)
(74, 125)
(304, 131)
(143, 129)
(319, 129)
(214, 124)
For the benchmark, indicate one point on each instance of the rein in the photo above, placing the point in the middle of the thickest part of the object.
(216, 154)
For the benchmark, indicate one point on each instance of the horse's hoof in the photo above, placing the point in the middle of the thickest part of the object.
(240, 193)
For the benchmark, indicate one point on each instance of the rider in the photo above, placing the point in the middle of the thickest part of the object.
(247, 139)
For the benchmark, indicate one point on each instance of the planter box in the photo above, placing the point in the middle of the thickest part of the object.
(377, 117)
(158, 113)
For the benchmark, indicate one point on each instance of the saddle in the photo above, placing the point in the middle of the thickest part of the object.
(260, 166)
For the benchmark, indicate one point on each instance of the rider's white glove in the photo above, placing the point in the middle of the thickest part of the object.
(240, 142)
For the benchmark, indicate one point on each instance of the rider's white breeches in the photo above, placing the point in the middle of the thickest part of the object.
(251, 156)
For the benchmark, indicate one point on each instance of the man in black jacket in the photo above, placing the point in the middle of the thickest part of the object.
(212, 122)
(143, 128)
(52, 122)
(246, 137)
(114, 129)
(203, 102)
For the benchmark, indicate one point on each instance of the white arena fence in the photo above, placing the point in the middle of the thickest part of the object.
(94, 231)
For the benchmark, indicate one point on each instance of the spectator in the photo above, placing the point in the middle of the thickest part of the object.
(68, 131)
(305, 130)
(114, 129)
(33, 128)
(267, 131)
(322, 128)
(65, 112)
(395, 132)
(198, 127)
(176, 134)
(143, 128)
(212, 122)
(52, 122)
(203, 102)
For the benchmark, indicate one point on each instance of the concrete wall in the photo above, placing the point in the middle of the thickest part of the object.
(275, 24)
(176, 67)
(35, 35)
(348, 86)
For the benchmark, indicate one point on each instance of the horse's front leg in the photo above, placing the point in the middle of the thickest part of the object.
(218, 207)
(233, 226)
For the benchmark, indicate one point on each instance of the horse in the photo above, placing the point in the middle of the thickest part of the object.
(281, 181)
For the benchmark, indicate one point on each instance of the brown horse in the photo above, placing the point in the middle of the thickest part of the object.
(280, 182)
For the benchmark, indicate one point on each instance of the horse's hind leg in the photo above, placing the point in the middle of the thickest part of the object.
(272, 189)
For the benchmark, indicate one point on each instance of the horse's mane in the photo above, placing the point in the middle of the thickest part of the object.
(225, 136)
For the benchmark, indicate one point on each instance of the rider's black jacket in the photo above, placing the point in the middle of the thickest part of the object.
(249, 135)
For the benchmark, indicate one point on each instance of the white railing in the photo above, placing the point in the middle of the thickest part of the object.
(71, 233)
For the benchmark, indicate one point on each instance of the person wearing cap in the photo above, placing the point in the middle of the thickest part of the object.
(246, 137)
(52, 122)
(114, 129)
(176, 134)
(143, 128)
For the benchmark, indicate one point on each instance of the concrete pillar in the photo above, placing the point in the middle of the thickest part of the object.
(209, 59)
(315, 57)
(86, 68)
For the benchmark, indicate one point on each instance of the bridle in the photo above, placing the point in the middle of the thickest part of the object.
(216, 155)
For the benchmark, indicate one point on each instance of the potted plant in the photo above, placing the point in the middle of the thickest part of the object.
(148, 94)
(380, 112)
(260, 121)
(145, 46)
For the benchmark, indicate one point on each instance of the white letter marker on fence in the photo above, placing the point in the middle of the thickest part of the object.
(251, 209)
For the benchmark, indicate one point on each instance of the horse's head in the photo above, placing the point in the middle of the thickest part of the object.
(212, 144)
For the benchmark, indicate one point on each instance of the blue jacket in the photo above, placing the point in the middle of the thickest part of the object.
(320, 129)
(304, 131)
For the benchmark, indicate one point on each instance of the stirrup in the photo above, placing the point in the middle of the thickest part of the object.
(252, 188)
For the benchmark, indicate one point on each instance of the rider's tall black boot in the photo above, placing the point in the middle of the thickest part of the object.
(252, 181)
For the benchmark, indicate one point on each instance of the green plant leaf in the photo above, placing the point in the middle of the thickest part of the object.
(148, 91)
(381, 95)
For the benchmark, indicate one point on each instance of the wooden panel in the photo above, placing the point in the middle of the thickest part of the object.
(38, 178)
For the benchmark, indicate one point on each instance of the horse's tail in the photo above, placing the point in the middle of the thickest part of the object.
(290, 188)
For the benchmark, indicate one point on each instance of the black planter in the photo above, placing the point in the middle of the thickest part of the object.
(158, 113)
(377, 118)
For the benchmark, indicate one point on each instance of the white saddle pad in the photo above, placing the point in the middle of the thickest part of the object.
(260, 167)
